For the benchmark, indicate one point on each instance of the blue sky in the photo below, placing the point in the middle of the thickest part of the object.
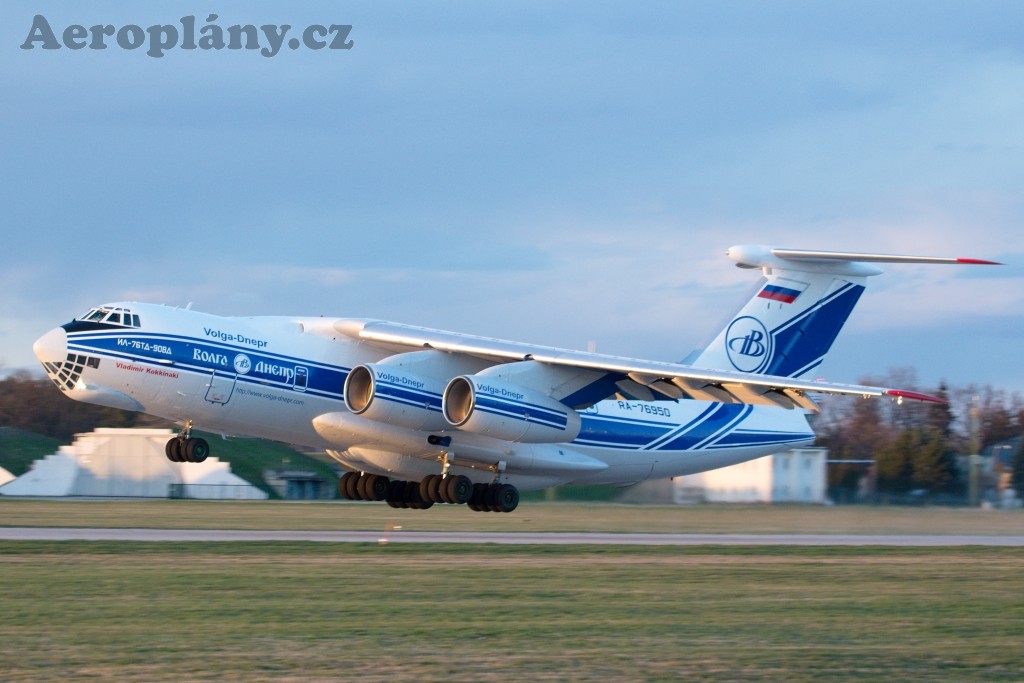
(542, 171)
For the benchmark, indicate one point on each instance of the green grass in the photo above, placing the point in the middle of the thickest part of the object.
(19, 449)
(530, 517)
(320, 612)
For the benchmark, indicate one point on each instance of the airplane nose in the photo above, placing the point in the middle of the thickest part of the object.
(52, 347)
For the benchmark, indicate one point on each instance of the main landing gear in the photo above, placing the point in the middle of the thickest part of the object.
(186, 448)
(453, 489)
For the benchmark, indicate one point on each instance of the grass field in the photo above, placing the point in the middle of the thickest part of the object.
(530, 517)
(324, 612)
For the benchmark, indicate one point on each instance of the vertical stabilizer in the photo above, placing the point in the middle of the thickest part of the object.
(790, 322)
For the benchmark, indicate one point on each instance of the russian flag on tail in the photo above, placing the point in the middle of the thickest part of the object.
(777, 293)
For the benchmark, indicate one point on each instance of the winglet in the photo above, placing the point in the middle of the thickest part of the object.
(917, 396)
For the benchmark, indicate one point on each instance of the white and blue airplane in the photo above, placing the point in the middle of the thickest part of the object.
(420, 416)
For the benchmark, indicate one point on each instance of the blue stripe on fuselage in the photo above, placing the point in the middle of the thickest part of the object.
(743, 437)
(713, 426)
(199, 356)
(619, 432)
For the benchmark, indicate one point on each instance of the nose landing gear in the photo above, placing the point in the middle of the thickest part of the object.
(186, 448)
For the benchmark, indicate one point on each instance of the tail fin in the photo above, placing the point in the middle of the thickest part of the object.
(795, 314)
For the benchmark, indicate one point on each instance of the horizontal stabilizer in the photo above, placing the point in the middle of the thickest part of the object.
(761, 256)
(806, 255)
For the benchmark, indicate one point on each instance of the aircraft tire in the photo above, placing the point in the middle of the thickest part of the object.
(474, 500)
(411, 494)
(377, 487)
(196, 450)
(416, 501)
(458, 489)
(506, 498)
(426, 485)
(434, 490)
(442, 490)
(342, 483)
(396, 493)
(487, 498)
(352, 486)
(172, 450)
(363, 487)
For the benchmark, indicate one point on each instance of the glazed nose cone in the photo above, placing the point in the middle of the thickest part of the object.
(52, 347)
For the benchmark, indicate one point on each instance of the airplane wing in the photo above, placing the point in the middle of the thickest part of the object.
(632, 378)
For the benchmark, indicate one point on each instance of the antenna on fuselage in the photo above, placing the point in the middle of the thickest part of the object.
(189, 307)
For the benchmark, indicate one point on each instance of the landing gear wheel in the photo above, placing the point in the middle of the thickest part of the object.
(343, 485)
(430, 488)
(506, 498)
(365, 486)
(458, 489)
(352, 487)
(360, 487)
(196, 450)
(173, 450)
(416, 501)
(377, 487)
(425, 486)
(478, 495)
(396, 494)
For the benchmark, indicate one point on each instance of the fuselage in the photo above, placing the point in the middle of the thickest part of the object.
(283, 378)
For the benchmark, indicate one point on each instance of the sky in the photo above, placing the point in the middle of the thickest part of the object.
(552, 172)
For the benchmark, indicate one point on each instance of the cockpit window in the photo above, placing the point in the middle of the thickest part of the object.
(112, 315)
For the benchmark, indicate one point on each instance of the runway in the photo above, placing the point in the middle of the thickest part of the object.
(480, 538)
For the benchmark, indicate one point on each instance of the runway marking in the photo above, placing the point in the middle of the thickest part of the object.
(502, 538)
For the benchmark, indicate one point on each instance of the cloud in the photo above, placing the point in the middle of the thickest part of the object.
(535, 171)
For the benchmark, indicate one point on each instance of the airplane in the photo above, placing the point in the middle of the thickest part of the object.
(419, 416)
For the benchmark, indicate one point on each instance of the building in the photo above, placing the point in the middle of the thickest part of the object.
(795, 476)
(127, 463)
(296, 484)
(997, 473)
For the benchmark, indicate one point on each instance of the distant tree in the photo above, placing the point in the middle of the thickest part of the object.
(997, 420)
(935, 468)
(918, 460)
(895, 464)
(939, 417)
(36, 405)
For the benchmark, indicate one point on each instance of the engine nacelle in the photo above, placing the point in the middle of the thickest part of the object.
(482, 405)
(385, 393)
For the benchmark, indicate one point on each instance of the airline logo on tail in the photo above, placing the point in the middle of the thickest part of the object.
(748, 344)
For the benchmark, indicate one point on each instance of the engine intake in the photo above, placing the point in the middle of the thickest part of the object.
(388, 394)
(507, 411)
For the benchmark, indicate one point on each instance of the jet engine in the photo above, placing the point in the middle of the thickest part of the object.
(490, 407)
(387, 394)
(405, 389)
